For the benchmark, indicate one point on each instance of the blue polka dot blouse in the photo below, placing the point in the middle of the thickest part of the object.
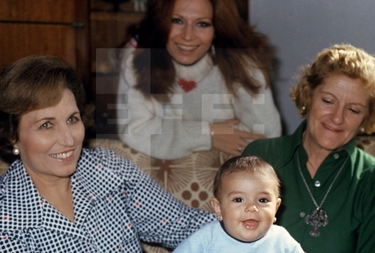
(116, 206)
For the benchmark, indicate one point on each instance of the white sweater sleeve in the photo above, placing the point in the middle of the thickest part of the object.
(257, 113)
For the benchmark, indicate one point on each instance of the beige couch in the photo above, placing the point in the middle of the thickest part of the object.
(189, 179)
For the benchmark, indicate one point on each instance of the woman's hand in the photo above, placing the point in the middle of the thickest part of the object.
(230, 140)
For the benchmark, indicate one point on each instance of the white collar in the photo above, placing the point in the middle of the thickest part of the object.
(195, 72)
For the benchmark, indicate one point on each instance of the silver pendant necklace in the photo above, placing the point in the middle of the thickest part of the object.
(319, 217)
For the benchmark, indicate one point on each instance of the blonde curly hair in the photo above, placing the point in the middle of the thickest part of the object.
(339, 59)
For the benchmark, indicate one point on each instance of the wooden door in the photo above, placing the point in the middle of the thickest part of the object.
(58, 27)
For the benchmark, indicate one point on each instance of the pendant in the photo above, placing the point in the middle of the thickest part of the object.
(317, 219)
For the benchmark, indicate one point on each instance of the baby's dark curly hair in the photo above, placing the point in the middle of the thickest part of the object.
(251, 164)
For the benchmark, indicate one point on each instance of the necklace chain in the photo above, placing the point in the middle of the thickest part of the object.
(319, 217)
(329, 188)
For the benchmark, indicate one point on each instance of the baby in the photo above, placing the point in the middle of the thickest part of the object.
(246, 199)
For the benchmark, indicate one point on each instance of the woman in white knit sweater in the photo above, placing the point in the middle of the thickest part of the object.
(194, 78)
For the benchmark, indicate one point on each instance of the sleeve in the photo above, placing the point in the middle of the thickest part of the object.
(158, 216)
(366, 231)
(142, 126)
(258, 114)
(125, 82)
(17, 241)
(13, 240)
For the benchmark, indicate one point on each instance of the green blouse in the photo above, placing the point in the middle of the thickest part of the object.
(350, 204)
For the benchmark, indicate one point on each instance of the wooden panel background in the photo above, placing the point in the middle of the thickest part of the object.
(26, 39)
(53, 27)
(39, 10)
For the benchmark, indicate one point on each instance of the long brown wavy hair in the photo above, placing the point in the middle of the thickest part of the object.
(238, 48)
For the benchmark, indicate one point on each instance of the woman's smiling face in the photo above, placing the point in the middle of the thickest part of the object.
(50, 139)
(339, 107)
(191, 32)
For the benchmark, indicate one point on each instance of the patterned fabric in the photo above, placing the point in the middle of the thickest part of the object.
(116, 205)
(189, 179)
(366, 143)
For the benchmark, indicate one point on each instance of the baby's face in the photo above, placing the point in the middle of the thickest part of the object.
(247, 203)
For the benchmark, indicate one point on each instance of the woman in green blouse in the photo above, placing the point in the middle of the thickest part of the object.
(328, 184)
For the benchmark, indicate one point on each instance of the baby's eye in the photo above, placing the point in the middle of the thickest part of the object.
(237, 200)
(263, 200)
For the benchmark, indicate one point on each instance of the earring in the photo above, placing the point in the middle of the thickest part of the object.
(219, 217)
(303, 110)
(274, 220)
(16, 151)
